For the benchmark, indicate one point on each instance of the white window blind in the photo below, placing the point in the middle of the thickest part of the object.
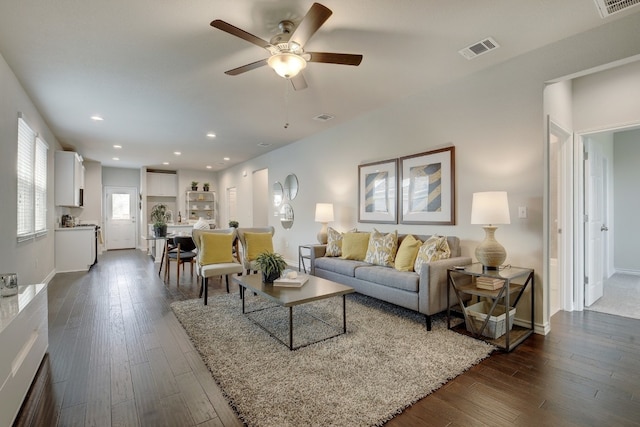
(32, 182)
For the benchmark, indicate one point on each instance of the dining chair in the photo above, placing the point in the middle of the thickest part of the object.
(215, 256)
(183, 253)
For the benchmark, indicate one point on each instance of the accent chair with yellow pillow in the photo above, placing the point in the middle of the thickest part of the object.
(424, 291)
(254, 241)
(215, 256)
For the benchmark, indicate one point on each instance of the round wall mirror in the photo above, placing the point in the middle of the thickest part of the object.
(278, 194)
(291, 186)
(286, 216)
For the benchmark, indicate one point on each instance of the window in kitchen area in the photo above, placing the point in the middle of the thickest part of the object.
(32, 182)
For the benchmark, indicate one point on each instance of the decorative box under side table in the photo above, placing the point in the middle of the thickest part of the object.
(461, 287)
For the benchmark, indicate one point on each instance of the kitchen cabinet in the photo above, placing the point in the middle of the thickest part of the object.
(201, 204)
(69, 176)
(24, 339)
(75, 249)
(162, 184)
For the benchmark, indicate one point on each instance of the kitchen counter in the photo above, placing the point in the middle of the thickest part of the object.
(75, 248)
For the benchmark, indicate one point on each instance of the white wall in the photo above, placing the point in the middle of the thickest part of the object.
(627, 200)
(33, 260)
(495, 120)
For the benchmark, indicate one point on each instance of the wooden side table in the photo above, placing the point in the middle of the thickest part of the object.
(523, 277)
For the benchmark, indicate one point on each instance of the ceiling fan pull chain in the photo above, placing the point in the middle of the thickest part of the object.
(286, 104)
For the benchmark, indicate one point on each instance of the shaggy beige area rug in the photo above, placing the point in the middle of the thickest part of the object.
(386, 361)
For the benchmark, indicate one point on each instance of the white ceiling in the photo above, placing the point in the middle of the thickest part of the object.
(155, 69)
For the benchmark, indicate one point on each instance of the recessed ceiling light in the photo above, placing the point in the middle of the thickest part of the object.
(117, 146)
(165, 163)
(116, 158)
(226, 159)
(177, 153)
(209, 166)
(211, 135)
(97, 118)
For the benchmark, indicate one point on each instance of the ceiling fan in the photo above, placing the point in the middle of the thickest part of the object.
(288, 57)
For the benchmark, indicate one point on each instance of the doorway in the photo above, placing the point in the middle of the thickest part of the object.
(120, 217)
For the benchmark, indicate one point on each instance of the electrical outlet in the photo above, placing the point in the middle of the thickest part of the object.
(522, 212)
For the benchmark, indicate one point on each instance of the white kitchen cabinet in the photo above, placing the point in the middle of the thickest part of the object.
(162, 184)
(24, 339)
(75, 249)
(69, 178)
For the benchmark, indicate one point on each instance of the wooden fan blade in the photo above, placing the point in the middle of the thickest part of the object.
(298, 82)
(335, 58)
(247, 67)
(235, 31)
(315, 17)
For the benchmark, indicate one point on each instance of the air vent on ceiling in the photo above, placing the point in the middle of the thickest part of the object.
(479, 48)
(323, 117)
(264, 144)
(609, 7)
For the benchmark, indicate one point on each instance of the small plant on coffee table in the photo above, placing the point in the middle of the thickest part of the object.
(272, 265)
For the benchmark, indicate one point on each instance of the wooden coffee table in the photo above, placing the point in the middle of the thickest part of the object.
(315, 289)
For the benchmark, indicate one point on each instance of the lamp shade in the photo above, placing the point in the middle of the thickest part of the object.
(287, 65)
(490, 207)
(324, 212)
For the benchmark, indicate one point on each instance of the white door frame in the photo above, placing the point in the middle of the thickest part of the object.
(134, 209)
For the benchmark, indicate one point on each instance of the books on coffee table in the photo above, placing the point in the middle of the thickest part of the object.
(291, 282)
(489, 283)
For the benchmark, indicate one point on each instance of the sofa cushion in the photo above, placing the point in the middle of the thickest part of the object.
(435, 248)
(406, 281)
(339, 265)
(407, 253)
(334, 242)
(354, 246)
(382, 248)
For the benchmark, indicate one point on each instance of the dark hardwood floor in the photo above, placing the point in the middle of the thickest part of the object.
(118, 357)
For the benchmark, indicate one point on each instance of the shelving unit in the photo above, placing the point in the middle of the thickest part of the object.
(463, 283)
(201, 204)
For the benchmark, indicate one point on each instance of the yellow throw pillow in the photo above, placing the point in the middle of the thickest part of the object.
(216, 248)
(381, 249)
(435, 248)
(334, 242)
(257, 243)
(354, 246)
(407, 253)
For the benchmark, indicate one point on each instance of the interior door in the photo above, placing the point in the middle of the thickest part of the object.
(120, 224)
(594, 207)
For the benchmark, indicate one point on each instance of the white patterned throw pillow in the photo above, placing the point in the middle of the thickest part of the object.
(433, 249)
(334, 242)
(382, 248)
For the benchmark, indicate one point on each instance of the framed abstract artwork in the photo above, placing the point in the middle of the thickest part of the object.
(427, 187)
(377, 192)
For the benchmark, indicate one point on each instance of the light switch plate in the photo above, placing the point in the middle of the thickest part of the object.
(522, 212)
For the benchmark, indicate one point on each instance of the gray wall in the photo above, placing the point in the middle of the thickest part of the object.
(33, 260)
(626, 192)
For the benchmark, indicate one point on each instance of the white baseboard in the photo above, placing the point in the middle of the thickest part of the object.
(625, 271)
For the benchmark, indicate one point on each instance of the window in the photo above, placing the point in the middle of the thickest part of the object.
(32, 182)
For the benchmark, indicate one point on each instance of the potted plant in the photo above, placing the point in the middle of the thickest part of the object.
(194, 185)
(205, 186)
(233, 224)
(271, 264)
(159, 219)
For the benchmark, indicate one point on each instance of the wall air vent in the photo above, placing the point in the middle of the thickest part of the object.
(479, 48)
(323, 117)
(609, 7)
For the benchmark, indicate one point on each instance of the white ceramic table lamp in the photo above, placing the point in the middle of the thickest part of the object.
(490, 208)
(324, 214)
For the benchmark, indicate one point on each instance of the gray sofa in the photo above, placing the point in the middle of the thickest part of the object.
(424, 292)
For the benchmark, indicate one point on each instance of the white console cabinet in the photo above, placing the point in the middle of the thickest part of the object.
(24, 340)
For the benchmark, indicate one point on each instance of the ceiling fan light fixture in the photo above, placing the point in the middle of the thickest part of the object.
(286, 64)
